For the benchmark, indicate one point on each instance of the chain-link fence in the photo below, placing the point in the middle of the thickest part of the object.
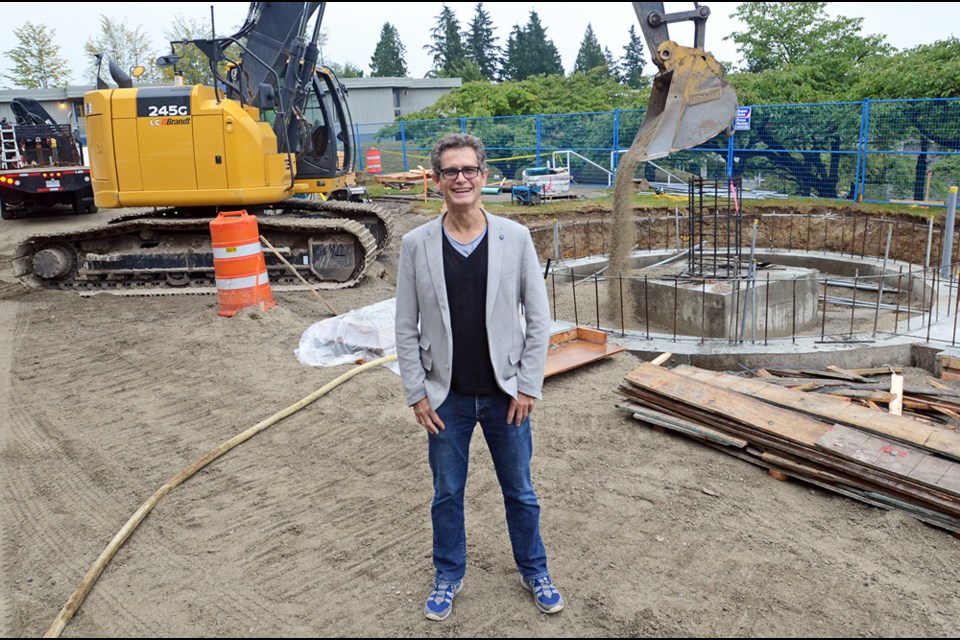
(892, 151)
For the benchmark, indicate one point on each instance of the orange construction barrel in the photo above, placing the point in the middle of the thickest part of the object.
(373, 161)
(238, 263)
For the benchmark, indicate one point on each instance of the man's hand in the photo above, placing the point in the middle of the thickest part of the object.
(427, 417)
(520, 409)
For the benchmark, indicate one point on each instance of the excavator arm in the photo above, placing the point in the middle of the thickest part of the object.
(690, 102)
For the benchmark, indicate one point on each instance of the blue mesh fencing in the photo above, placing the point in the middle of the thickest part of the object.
(874, 151)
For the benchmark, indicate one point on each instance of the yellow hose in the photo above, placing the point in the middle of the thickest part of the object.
(80, 593)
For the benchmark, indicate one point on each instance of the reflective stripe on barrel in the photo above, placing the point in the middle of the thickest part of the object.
(243, 282)
(237, 252)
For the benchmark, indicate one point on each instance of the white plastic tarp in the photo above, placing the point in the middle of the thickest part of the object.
(361, 334)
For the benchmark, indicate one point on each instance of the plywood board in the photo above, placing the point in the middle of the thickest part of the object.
(577, 347)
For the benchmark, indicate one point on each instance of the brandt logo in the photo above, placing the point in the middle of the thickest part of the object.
(163, 122)
(706, 96)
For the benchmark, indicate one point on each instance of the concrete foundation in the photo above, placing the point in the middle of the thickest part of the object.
(781, 302)
(862, 299)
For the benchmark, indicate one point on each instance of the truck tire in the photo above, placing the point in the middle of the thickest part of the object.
(5, 213)
(83, 205)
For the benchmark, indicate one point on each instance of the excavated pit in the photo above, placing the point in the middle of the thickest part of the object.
(824, 280)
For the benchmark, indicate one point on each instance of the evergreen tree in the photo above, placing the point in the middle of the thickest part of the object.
(591, 54)
(611, 63)
(127, 48)
(543, 54)
(481, 44)
(449, 54)
(387, 60)
(530, 53)
(35, 62)
(512, 55)
(632, 63)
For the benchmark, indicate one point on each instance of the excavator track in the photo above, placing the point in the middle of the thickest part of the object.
(377, 220)
(163, 252)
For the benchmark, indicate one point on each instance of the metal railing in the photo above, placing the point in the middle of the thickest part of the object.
(858, 279)
(912, 304)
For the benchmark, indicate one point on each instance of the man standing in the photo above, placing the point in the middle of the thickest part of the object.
(466, 355)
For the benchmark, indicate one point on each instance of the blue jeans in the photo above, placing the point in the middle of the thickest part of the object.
(511, 448)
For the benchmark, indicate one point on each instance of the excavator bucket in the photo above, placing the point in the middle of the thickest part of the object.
(690, 103)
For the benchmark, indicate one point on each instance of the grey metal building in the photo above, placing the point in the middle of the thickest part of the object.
(379, 100)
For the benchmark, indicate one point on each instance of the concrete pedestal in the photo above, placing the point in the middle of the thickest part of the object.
(715, 308)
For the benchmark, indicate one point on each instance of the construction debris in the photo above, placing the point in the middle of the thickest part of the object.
(886, 460)
(404, 179)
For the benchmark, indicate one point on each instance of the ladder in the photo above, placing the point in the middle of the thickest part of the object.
(9, 151)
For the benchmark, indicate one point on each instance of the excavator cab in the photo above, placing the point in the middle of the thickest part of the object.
(325, 159)
(690, 102)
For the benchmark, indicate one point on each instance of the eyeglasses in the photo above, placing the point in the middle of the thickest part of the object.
(468, 172)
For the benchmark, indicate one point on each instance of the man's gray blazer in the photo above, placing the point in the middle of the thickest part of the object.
(518, 344)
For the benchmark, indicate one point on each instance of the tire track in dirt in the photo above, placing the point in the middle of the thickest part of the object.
(77, 491)
(8, 314)
(36, 502)
(86, 514)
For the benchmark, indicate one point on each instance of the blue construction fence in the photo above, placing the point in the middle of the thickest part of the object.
(887, 151)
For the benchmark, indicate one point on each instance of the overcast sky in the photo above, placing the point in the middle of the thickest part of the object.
(353, 28)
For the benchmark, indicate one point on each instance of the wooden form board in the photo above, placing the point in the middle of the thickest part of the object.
(414, 177)
(576, 347)
(895, 458)
(756, 413)
(949, 368)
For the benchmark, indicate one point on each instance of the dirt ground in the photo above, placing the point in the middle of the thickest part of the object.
(320, 525)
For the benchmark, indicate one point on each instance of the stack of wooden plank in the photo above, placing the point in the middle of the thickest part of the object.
(931, 402)
(889, 461)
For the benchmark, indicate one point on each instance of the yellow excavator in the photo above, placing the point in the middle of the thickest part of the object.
(274, 136)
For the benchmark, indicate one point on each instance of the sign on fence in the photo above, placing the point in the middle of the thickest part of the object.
(743, 119)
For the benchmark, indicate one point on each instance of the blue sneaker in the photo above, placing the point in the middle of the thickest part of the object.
(546, 596)
(440, 601)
